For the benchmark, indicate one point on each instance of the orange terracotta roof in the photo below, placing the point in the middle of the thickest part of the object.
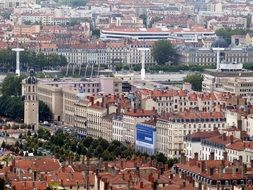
(28, 185)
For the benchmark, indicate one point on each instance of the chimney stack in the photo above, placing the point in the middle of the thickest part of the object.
(231, 138)
(240, 160)
(141, 185)
(225, 155)
(196, 156)
(251, 163)
(202, 166)
(211, 157)
(224, 137)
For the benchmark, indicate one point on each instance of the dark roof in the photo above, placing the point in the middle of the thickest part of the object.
(31, 79)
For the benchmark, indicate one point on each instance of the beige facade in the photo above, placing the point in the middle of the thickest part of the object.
(239, 83)
(106, 127)
(52, 96)
(171, 129)
(31, 105)
(26, 29)
(69, 98)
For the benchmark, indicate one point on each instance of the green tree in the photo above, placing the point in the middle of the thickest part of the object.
(144, 18)
(11, 85)
(154, 20)
(45, 113)
(161, 158)
(195, 80)
(227, 33)
(107, 156)
(164, 52)
(96, 32)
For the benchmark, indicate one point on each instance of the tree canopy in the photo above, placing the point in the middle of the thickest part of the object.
(227, 33)
(164, 52)
(195, 80)
(73, 3)
(30, 59)
(11, 85)
(12, 103)
(45, 113)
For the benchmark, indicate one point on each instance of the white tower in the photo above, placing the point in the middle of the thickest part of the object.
(17, 50)
(143, 52)
(218, 58)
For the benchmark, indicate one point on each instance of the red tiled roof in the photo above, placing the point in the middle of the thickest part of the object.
(38, 164)
(29, 185)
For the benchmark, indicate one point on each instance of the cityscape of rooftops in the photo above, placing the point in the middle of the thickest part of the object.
(126, 94)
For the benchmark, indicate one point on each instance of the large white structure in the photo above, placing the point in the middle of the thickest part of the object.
(143, 55)
(153, 34)
(17, 50)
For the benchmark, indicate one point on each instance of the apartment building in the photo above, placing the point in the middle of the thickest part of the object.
(238, 82)
(108, 53)
(216, 145)
(106, 126)
(53, 97)
(214, 174)
(131, 118)
(80, 115)
(172, 127)
(118, 128)
(95, 113)
(69, 98)
(180, 100)
(192, 142)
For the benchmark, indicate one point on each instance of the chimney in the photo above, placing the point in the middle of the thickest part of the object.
(231, 138)
(244, 169)
(141, 185)
(150, 177)
(239, 124)
(183, 158)
(155, 119)
(210, 171)
(202, 166)
(240, 160)
(92, 100)
(211, 157)
(155, 185)
(196, 156)
(234, 167)
(224, 137)
(221, 168)
(107, 108)
(225, 155)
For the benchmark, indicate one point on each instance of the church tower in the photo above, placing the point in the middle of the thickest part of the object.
(31, 110)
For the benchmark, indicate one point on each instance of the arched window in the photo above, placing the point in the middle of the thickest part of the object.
(29, 89)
